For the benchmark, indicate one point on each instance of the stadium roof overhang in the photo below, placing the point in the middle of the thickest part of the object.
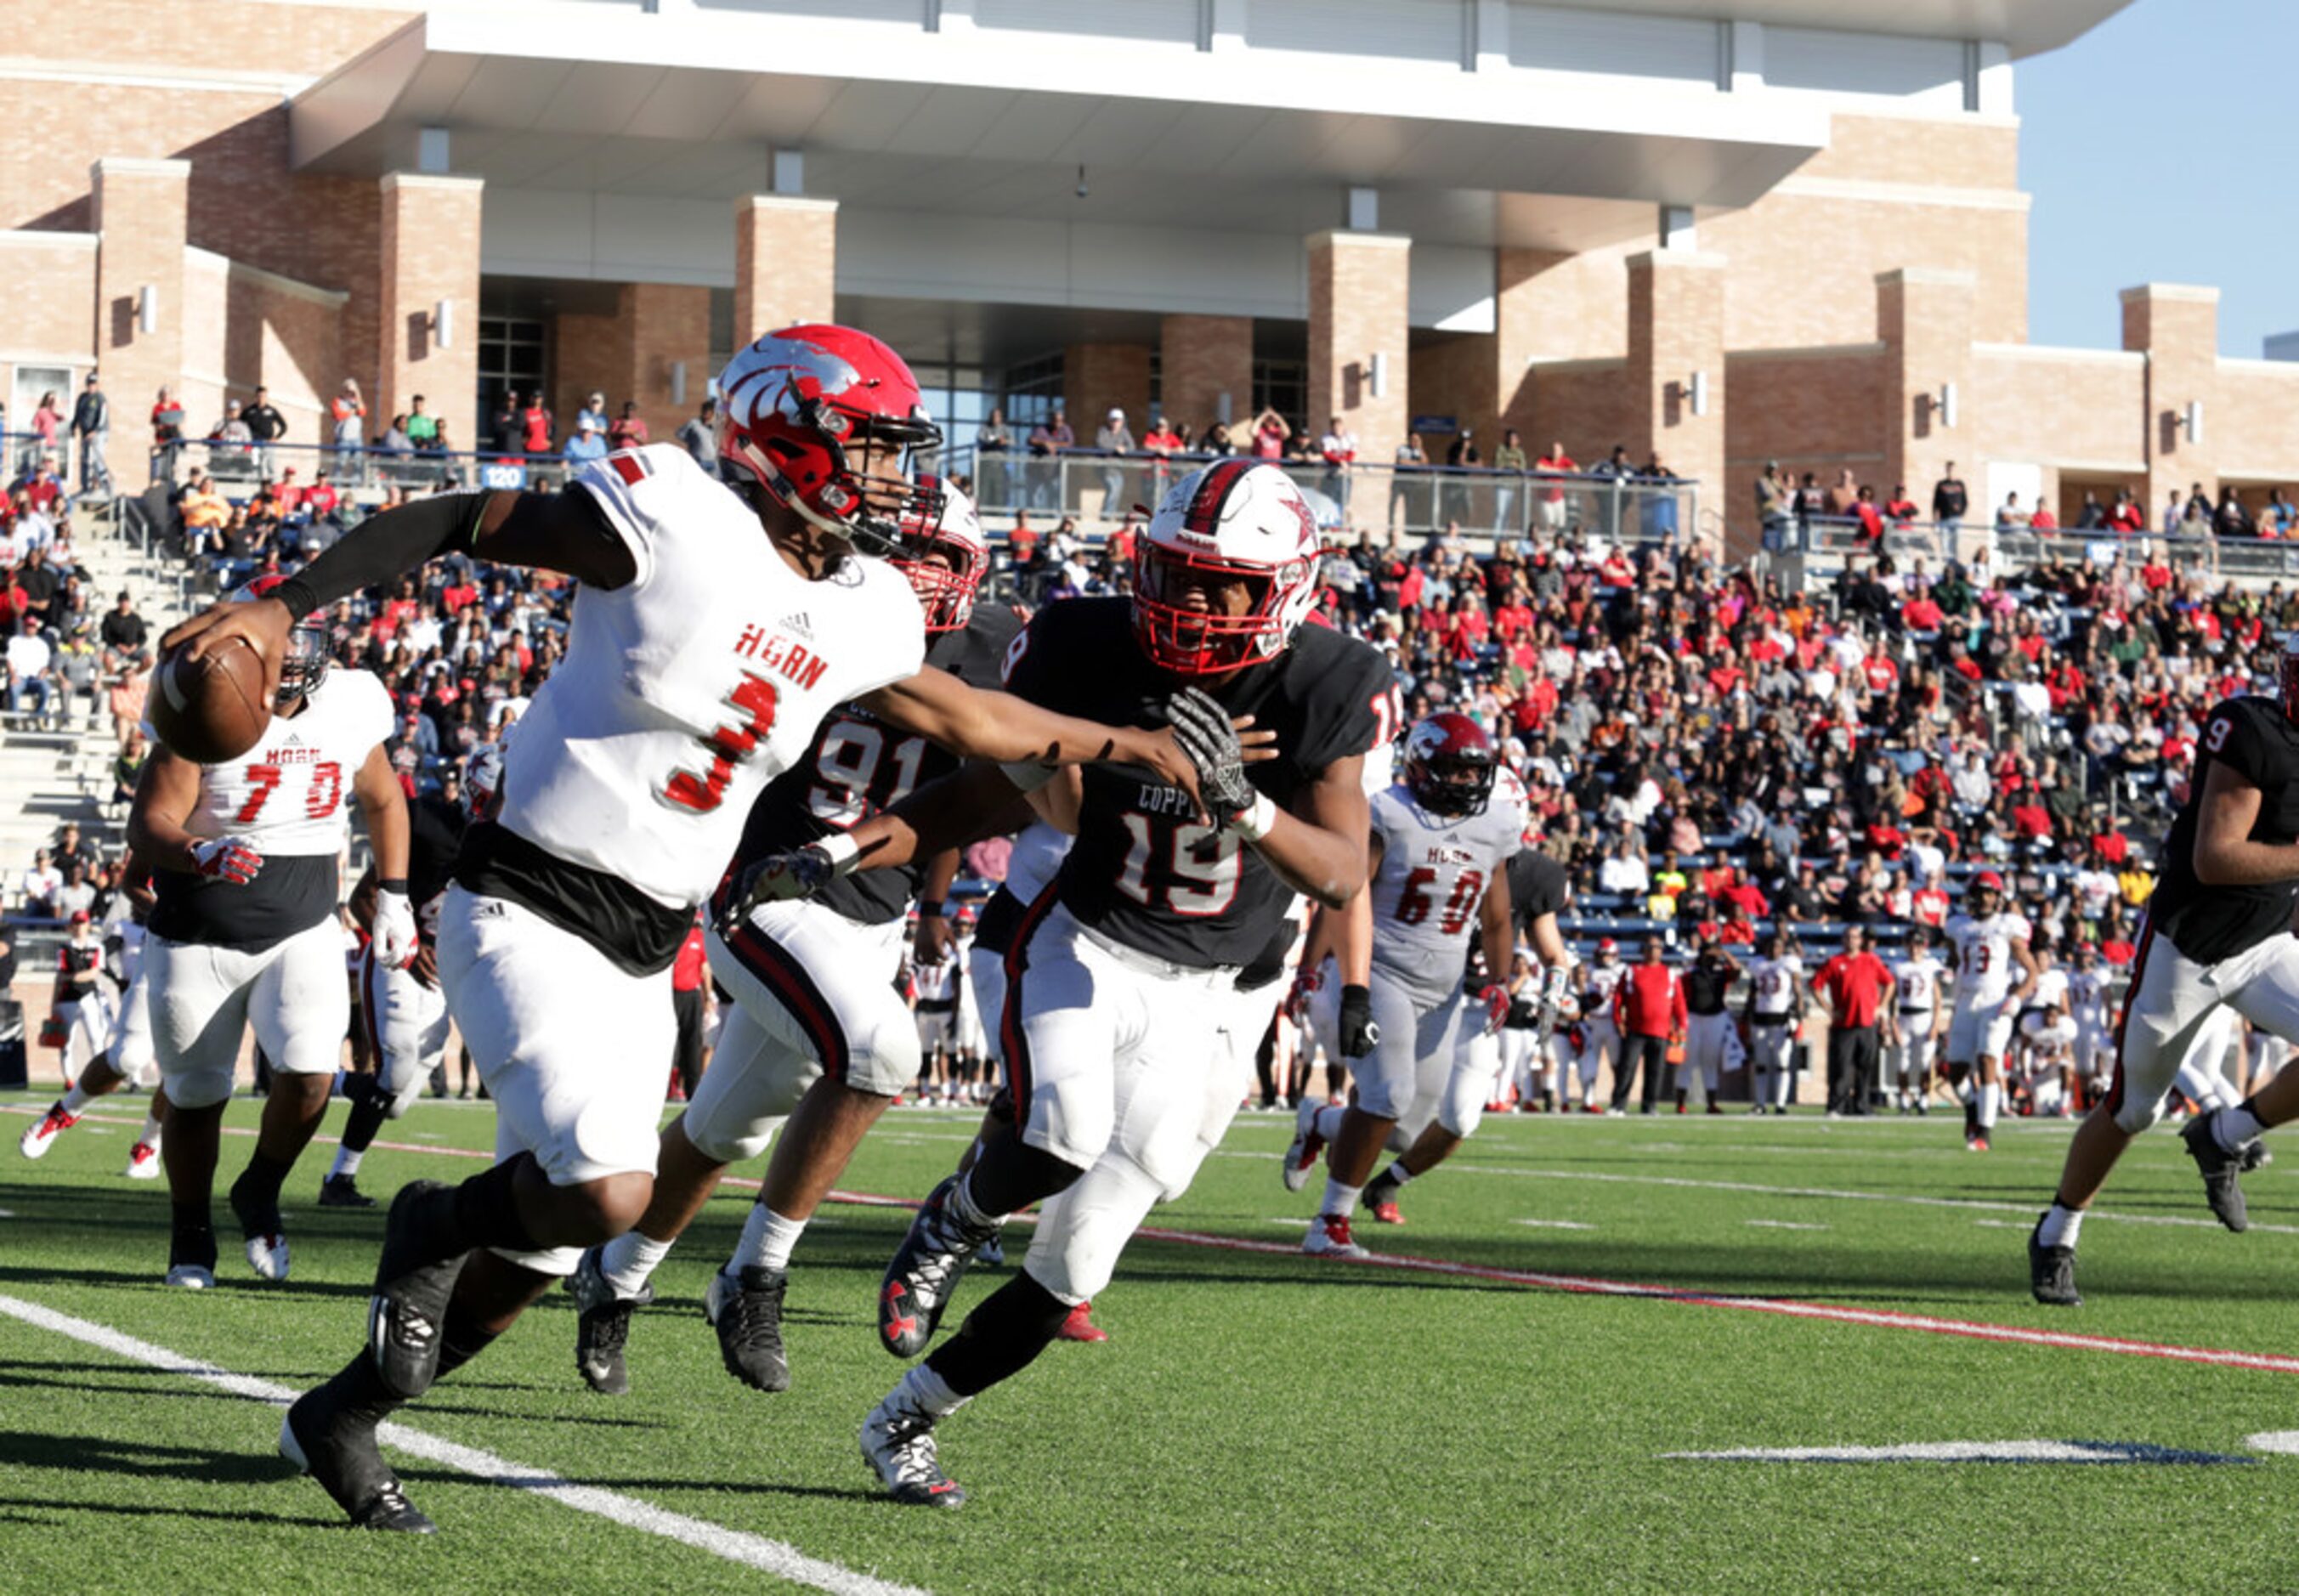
(615, 100)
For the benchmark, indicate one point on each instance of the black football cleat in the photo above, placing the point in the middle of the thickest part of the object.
(2052, 1272)
(898, 1445)
(925, 1271)
(2256, 1156)
(2222, 1171)
(342, 1191)
(412, 1283)
(602, 1324)
(746, 1310)
(338, 1447)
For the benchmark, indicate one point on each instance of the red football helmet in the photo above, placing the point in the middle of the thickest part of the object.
(1449, 765)
(1235, 519)
(941, 520)
(794, 404)
(1989, 879)
(306, 666)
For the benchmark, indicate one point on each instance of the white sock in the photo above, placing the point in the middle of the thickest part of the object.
(2061, 1226)
(766, 1241)
(347, 1162)
(76, 1099)
(963, 1206)
(1327, 1121)
(922, 1391)
(1989, 1097)
(2236, 1126)
(1964, 1090)
(627, 1261)
(150, 1135)
(1341, 1201)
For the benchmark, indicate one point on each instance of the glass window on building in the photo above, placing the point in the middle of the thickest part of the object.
(510, 356)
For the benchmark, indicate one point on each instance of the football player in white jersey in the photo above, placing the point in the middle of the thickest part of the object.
(1914, 1025)
(933, 1008)
(2049, 1038)
(1538, 889)
(717, 619)
(1600, 1032)
(2089, 985)
(403, 1008)
(245, 929)
(1438, 874)
(111, 1040)
(1989, 942)
(1774, 1008)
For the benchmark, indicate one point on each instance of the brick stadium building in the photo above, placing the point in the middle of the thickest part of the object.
(1718, 230)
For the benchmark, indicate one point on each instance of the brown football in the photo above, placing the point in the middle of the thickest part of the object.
(210, 709)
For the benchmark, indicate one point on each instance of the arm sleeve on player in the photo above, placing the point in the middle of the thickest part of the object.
(387, 545)
(637, 491)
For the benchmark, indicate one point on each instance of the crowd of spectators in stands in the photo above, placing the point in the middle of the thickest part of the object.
(1708, 749)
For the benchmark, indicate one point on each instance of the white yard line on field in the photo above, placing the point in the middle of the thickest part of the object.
(776, 1557)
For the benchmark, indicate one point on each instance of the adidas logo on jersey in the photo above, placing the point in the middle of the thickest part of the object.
(800, 623)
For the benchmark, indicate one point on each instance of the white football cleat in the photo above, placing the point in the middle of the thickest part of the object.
(1302, 1152)
(36, 1142)
(1329, 1237)
(267, 1255)
(143, 1162)
(191, 1277)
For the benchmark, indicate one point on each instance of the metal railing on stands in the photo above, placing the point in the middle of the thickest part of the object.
(361, 475)
(1823, 543)
(1099, 489)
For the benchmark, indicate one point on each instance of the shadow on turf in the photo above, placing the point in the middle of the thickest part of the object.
(145, 1460)
(24, 1274)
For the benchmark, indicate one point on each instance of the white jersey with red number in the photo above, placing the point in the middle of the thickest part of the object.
(290, 794)
(687, 689)
(1775, 983)
(933, 983)
(2088, 992)
(1601, 980)
(2050, 1042)
(1434, 869)
(1984, 970)
(1919, 983)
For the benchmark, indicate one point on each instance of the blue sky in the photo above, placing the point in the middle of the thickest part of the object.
(2161, 146)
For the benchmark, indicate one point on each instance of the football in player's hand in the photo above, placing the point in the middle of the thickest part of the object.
(210, 709)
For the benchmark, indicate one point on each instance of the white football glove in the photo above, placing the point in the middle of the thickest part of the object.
(393, 935)
(226, 858)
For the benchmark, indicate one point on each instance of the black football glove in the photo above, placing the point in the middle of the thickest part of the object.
(1202, 728)
(776, 878)
(1358, 1032)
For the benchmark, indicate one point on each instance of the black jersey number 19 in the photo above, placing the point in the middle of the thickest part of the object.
(1187, 867)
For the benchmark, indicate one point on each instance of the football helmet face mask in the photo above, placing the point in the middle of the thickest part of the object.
(1235, 528)
(825, 420)
(942, 553)
(1449, 765)
(304, 665)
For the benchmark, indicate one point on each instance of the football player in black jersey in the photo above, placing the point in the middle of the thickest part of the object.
(2218, 932)
(1118, 979)
(1539, 893)
(817, 1037)
(404, 1010)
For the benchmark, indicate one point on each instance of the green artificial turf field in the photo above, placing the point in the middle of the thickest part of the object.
(1260, 1421)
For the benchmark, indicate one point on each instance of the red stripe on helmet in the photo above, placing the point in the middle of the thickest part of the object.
(1204, 513)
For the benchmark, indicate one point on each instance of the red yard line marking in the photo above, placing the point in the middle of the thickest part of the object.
(1590, 1285)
